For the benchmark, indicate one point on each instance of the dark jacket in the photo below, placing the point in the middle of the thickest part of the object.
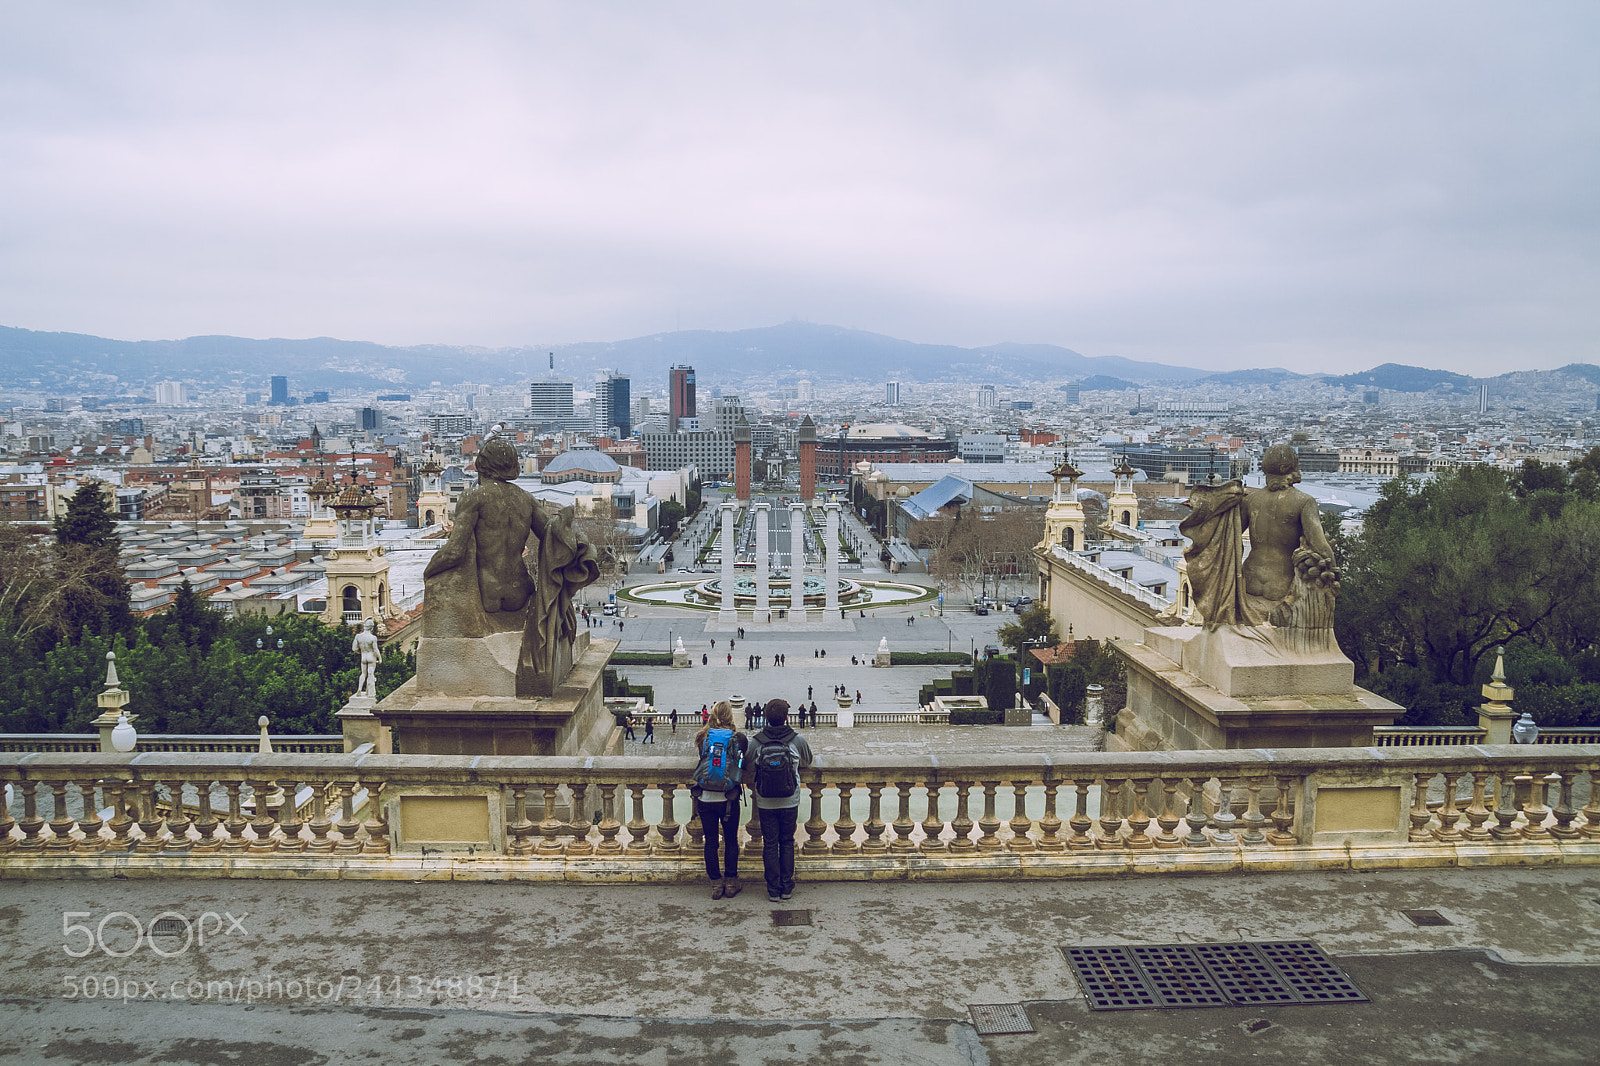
(778, 734)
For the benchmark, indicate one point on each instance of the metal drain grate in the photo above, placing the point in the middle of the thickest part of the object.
(996, 1019)
(1427, 918)
(169, 927)
(1149, 976)
(786, 918)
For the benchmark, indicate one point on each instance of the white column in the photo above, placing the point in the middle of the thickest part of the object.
(728, 613)
(830, 547)
(797, 561)
(763, 548)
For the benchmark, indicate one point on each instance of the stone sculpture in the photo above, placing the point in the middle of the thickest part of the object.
(366, 643)
(1289, 578)
(480, 584)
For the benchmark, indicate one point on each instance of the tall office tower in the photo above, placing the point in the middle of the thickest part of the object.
(550, 399)
(171, 392)
(369, 419)
(1483, 398)
(986, 396)
(1370, 396)
(641, 410)
(613, 411)
(891, 393)
(280, 391)
(680, 395)
(1072, 391)
(804, 391)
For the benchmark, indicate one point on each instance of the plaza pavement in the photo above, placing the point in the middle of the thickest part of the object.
(482, 973)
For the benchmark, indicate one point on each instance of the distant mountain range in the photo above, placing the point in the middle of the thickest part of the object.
(787, 352)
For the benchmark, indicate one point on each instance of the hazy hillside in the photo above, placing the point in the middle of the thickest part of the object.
(1400, 378)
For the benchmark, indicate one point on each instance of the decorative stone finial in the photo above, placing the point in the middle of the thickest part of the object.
(264, 746)
(112, 681)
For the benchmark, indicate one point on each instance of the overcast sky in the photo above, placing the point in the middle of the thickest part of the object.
(1322, 187)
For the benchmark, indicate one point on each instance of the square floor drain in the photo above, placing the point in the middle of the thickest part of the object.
(782, 918)
(997, 1019)
(1427, 918)
(169, 927)
(1151, 976)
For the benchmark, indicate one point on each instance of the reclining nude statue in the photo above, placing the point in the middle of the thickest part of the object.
(1288, 580)
(479, 582)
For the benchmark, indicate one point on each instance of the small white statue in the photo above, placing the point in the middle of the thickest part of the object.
(366, 643)
(883, 645)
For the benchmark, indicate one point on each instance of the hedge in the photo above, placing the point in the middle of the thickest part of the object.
(977, 716)
(641, 658)
(930, 658)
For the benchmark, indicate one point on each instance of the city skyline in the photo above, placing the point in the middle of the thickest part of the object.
(1241, 188)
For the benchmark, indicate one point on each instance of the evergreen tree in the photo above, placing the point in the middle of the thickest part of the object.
(91, 518)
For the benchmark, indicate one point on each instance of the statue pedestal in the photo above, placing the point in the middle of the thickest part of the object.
(361, 726)
(1241, 687)
(571, 720)
(680, 658)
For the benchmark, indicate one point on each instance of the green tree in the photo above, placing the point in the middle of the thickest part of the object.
(1068, 685)
(91, 518)
(670, 516)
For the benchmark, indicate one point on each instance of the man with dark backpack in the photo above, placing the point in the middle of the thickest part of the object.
(778, 754)
(716, 788)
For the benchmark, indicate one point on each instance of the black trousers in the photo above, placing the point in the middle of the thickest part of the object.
(777, 848)
(719, 822)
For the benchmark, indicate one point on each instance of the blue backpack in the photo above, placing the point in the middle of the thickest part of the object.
(719, 762)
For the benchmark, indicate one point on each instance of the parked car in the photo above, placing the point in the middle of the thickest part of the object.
(609, 608)
(980, 608)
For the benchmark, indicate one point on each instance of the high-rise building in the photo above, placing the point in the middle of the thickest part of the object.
(1370, 396)
(369, 419)
(1072, 391)
(251, 399)
(680, 395)
(986, 396)
(613, 409)
(804, 391)
(641, 410)
(169, 393)
(550, 399)
(1483, 398)
(891, 393)
(280, 391)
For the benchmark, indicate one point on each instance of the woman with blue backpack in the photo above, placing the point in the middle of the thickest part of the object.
(717, 790)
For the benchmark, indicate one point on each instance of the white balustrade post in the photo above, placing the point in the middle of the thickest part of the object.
(830, 548)
(728, 613)
(797, 561)
(763, 547)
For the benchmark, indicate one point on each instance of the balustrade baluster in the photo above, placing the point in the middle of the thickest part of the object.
(1050, 823)
(320, 823)
(31, 822)
(349, 843)
(289, 818)
(236, 823)
(815, 828)
(61, 822)
(262, 824)
(903, 825)
(1253, 818)
(7, 823)
(1110, 814)
(1535, 811)
(1477, 811)
(150, 821)
(1591, 810)
(1564, 811)
(874, 844)
(1194, 814)
(844, 827)
(695, 845)
(609, 826)
(90, 823)
(1283, 808)
(989, 823)
(1420, 815)
(178, 820)
(1449, 815)
(117, 797)
(638, 828)
(376, 825)
(752, 828)
(581, 826)
(1139, 821)
(550, 828)
(1167, 820)
(1021, 825)
(668, 827)
(961, 824)
(1505, 809)
(1223, 819)
(1080, 822)
(932, 823)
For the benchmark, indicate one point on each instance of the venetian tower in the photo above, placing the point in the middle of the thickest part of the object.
(433, 502)
(358, 570)
(1123, 506)
(1064, 519)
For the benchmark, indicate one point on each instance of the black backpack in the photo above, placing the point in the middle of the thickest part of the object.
(777, 769)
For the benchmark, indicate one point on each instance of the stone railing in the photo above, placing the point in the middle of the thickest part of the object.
(320, 744)
(1112, 578)
(630, 818)
(1398, 736)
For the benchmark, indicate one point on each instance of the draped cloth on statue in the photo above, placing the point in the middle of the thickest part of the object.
(1215, 556)
(566, 563)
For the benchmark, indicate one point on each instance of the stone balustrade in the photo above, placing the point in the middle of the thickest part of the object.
(890, 817)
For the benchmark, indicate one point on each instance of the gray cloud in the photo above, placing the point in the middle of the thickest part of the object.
(1230, 185)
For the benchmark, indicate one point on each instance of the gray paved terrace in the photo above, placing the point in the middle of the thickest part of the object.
(481, 973)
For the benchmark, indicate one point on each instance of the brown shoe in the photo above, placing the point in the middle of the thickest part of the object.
(720, 890)
(731, 887)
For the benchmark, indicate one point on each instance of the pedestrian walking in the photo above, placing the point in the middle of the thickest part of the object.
(813, 714)
(730, 658)
(703, 659)
(649, 730)
(716, 788)
(858, 697)
(673, 718)
(627, 728)
(808, 692)
(779, 754)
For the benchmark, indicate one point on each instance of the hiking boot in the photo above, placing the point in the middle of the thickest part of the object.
(731, 887)
(719, 890)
